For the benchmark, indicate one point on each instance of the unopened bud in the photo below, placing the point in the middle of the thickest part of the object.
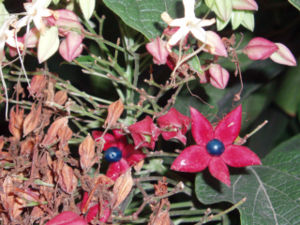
(283, 56)
(260, 48)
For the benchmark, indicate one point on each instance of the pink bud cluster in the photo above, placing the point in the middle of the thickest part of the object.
(69, 28)
(260, 49)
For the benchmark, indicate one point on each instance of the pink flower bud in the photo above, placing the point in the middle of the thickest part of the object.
(71, 47)
(158, 49)
(65, 20)
(244, 5)
(215, 44)
(218, 76)
(67, 218)
(260, 48)
(283, 56)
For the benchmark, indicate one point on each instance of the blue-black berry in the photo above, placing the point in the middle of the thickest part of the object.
(215, 147)
(113, 154)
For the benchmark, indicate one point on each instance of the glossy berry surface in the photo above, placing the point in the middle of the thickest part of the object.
(215, 147)
(113, 154)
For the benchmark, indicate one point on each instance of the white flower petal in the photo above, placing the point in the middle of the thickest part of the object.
(189, 8)
(181, 33)
(37, 22)
(178, 22)
(205, 23)
(21, 22)
(199, 33)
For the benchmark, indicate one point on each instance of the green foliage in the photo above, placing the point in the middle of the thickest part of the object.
(144, 16)
(272, 190)
(295, 3)
(288, 97)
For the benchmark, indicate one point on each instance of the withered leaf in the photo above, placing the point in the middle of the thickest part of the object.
(16, 119)
(51, 136)
(114, 112)
(2, 142)
(37, 85)
(64, 134)
(122, 187)
(67, 179)
(32, 119)
(60, 97)
(162, 218)
(12, 204)
(87, 153)
(50, 90)
(27, 146)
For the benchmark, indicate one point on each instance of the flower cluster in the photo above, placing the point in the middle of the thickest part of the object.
(44, 35)
(214, 147)
(209, 41)
(121, 155)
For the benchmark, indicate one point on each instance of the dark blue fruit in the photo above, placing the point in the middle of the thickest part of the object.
(113, 154)
(215, 147)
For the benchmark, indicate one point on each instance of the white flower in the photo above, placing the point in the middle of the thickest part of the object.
(189, 23)
(7, 36)
(35, 11)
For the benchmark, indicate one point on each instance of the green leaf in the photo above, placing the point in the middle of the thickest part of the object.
(205, 99)
(144, 16)
(272, 190)
(155, 165)
(87, 8)
(288, 98)
(295, 3)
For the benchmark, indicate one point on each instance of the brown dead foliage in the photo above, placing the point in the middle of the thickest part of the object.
(38, 177)
(160, 215)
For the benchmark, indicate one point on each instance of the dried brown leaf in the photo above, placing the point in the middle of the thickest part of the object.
(16, 123)
(137, 167)
(104, 180)
(114, 112)
(48, 192)
(27, 146)
(60, 97)
(32, 120)
(87, 153)
(64, 134)
(122, 187)
(50, 91)
(10, 203)
(51, 136)
(2, 142)
(36, 213)
(67, 179)
(162, 218)
(37, 85)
